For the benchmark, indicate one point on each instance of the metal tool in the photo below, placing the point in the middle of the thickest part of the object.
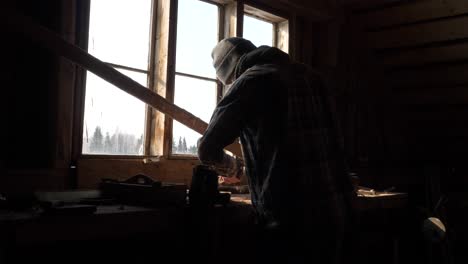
(204, 188)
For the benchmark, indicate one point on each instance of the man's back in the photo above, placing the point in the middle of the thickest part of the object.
(293, 161)
(289, 147)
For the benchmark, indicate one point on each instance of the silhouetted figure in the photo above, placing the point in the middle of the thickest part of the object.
(293, 160)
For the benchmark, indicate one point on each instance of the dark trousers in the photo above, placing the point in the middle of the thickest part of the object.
(322, 234)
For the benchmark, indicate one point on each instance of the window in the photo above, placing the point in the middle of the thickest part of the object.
(258, 31)
(114, 122)
(167, 50)
(196, 88)
(264, 28)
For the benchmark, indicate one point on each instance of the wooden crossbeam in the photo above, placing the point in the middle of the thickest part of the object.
(413, 12)
(25, 26)
(419, 34)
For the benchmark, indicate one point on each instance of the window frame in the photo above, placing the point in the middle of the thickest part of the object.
(219, 86)
(81, 82)
(158, 127)
(280, 23)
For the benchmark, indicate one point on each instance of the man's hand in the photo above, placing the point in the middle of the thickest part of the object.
(226, 166)
(228, 180)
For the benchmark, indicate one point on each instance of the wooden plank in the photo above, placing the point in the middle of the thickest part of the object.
(261, 14)
(152, 84)
(367, 6)
(414, 12)
(433, 113)
(312, 10)
(240, 18)
(173, 11)
(439, 129)
(309, 10)
(158, 78)
(92, 170)
(282, 36)
(458, 95)
(412, 35)
(429, 77)
(24, 26)
(65, 81)
(230, 20)
(82, 30)
(221, 22)
(428, 55)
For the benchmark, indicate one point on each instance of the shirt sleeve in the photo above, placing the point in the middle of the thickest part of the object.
(225, 126)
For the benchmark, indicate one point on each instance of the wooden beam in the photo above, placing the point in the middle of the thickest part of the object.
(429, 77)
(434, 112)
(308, 10)
(262, 14)
(154, 133)
(282, 36)
(66, 80)
(240, 18)
(172, 10)
(413, 12)
(312, 10)
(22, 25)
(169, 170)
(230, 20)
(443, 30)
(427, 55)
(441, 96)
(367, 6)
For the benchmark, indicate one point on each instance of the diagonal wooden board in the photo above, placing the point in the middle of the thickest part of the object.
(25, 26)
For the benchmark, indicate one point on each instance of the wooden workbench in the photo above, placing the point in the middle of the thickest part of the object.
(174, 232)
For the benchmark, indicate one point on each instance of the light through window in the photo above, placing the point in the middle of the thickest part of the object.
(259, 32)
(195, 83)
(114, 121)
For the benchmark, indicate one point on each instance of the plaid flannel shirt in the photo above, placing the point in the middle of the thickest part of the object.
(285, 121)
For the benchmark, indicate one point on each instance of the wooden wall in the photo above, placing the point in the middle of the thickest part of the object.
(404, 99)
(30, 94)
(406, 63)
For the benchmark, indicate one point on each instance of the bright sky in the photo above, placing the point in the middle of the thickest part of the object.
(193, 56)
(119, 33)
(258, 31)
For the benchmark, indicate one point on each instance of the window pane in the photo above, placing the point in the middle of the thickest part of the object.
(197, 34)
(119, 31)
(199, 98)
(258, 31)
(114, 121)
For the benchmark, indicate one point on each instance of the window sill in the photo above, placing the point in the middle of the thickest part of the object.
(144, 159)
(182, 157)
(119, 157)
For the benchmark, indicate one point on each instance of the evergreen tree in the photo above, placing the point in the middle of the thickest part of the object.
(120, 143)
(184, 146)
(179, 146)
(115, 143)
(193, 150)
(97, 141)
(139, 145)
(174, 145)
(107, 143)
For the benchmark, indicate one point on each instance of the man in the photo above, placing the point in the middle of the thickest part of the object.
(293, 159)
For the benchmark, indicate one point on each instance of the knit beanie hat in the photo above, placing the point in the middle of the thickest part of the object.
(226, 55)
